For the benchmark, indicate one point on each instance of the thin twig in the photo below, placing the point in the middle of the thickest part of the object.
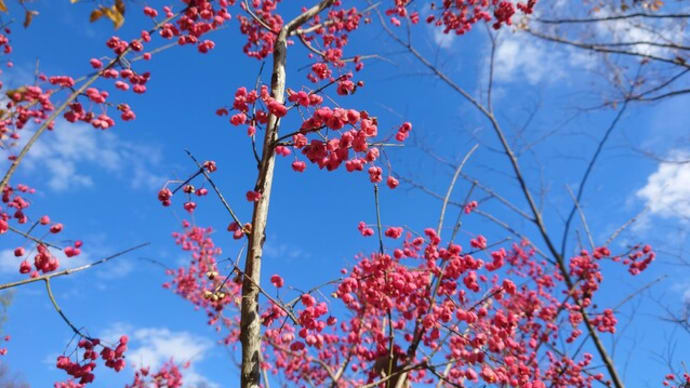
(451, 186)
(69, 271)
(378, 217)
(32, 238)
(62, 314)
(638, 291)
(215, 188)
(268, 296)
(588, 171)
(618, 231)
(614, 17)
(582, 218)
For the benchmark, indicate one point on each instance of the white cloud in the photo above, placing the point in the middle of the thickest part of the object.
(64, 152)
(284, 251)
(153, 347)
(441, 39)
(158, 345)
(667, 192)
(117, 268)
(520, 57)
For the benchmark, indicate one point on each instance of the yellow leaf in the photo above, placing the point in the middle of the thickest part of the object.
(11, 93)
(3, 7)
(95, 15)
(28, 17)
(120, 6)
(73, 1)
(114, 15)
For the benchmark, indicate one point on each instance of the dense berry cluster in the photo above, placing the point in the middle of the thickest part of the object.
(460, 16)
(15, 204)
(87, 353)
(167, 376)
(490, 315)
(482, 316)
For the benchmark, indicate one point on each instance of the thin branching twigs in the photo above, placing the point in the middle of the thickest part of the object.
(215, 188)
(519, 176)
(48, 277)
(51, 119)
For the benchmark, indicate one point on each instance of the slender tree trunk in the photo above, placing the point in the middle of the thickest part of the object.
(250, 325)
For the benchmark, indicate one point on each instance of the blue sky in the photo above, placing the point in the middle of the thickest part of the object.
(102, 185)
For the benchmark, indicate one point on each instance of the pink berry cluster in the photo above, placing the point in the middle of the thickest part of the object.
(82, 368)
(260, 40)
(3, 350)
(26, 104)
(355, 129)
(15, 205)
(165, 194)
(460, 16)
(199, 18)
(200, 281)
(167, 376)
(492, 313)
(5, 41)
(638, 260)
(677, 381)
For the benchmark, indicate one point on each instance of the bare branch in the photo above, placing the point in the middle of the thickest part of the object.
(588, 171)
(638, 291)
(71, 270)
(451, 186)
(32, 238)
(605, 49)
(62, 314)
(582, 218)
(215, 188)
(614, 17)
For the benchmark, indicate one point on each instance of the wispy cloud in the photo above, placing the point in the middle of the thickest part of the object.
(116, 269)
(278, 250)
(441, 39)
(70, 150)
(667, 192)
(520, 58)
(154, 346)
